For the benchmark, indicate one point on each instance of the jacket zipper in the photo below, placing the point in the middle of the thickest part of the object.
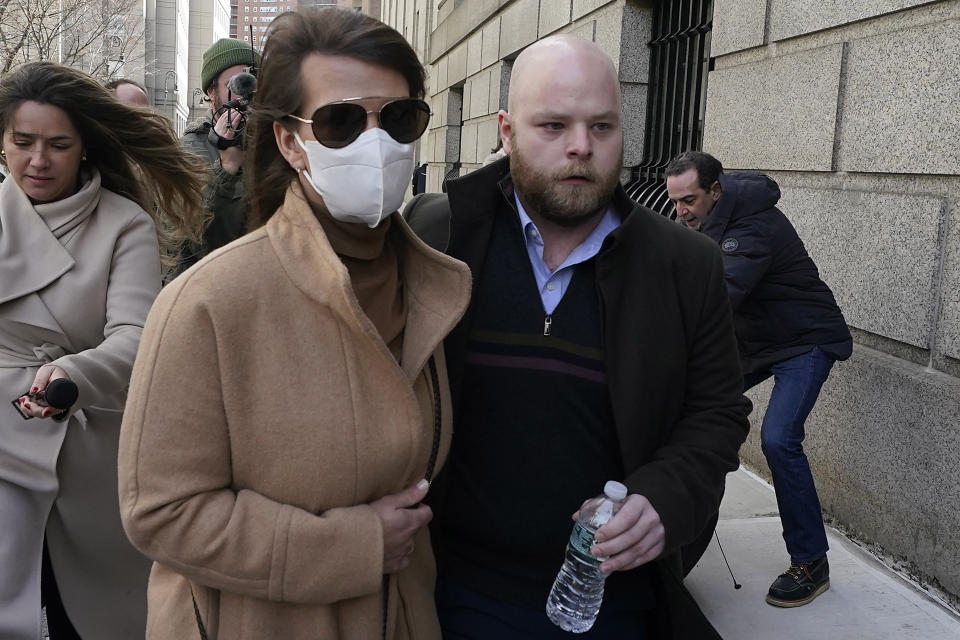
(547, 323)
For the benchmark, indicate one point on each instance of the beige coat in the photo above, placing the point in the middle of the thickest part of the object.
(77, 278)
(265, 413)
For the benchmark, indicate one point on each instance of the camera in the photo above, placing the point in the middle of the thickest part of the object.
(240, 91)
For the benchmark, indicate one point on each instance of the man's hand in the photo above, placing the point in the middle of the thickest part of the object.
(402, 517)
(633, 537)
(232, 157)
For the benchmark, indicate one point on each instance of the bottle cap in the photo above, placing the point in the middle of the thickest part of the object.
(615, 490)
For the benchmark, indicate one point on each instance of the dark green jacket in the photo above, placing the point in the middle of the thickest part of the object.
(224, 197)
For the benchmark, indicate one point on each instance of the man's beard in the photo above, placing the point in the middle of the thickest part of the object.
(562, 204)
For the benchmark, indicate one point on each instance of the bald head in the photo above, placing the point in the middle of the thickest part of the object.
(131, 93)
(563, 131)
(562, 63)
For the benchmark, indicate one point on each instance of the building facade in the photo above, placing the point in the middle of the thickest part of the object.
(209, 21)
(851, 107)
(167, 59)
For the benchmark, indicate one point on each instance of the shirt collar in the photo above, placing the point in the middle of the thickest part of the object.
(609, 222)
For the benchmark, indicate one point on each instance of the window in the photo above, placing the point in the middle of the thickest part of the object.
(246, 18)
(247, 38)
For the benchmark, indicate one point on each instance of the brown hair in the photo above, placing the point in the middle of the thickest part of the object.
(291, 38)
(134, 149)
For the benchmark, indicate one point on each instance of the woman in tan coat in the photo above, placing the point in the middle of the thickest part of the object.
(79, 268)
(289, 399)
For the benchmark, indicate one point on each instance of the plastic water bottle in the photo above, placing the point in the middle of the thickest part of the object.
(577, 592)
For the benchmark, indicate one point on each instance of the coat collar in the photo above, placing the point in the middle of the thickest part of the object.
(437, 286)
(719, 218)
(32, 237)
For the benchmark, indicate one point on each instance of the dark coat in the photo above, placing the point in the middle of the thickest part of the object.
(670, 356)
(781, 307)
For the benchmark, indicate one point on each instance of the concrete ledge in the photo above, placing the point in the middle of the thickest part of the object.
(884, 445)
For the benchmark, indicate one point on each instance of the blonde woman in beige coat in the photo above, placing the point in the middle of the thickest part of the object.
(80, 266)
(289, 399)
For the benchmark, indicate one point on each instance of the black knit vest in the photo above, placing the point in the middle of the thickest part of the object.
(534, 434)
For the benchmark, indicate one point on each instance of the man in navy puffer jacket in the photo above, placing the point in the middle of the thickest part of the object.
(788, 326)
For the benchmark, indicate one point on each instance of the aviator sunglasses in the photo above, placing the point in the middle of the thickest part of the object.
(339, 123)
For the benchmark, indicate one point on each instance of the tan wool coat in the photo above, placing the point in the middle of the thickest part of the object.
(265, 413)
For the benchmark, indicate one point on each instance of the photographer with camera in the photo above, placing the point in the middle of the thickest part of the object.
(228, 81)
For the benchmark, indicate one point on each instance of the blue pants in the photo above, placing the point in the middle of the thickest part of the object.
(797, 383)
(468, 615)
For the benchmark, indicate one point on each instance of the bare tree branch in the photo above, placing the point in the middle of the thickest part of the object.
(96, 36)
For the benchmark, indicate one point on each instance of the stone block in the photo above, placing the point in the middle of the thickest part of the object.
(480, 94)
(468, 142)
(474, 51)
(467, 92)
(454, 104)
(488, 132)
(518, 26)
(789, 18)
(881, 271)
(490, 50)
(438, 106)
(435, 173)
(583, 7)
(737, 25)
(499, 87)
(884, 447)
(585, 29)
(775, 114)
(899, 106)
(948, 339)
(634, 121)
(458, 64)
(442, 67)
(609, 32)
(553, 15)
(427, 145)
(635, 33)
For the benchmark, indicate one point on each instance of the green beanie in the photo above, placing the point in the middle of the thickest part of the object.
(223, 54)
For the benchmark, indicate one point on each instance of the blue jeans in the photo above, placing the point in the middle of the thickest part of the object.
(797, 383)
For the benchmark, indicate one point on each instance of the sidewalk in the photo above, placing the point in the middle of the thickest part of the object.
(865, 600)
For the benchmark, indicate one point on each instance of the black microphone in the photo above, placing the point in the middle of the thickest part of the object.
(61, 393)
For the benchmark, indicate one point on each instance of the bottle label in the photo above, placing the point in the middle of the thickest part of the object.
(581, 539)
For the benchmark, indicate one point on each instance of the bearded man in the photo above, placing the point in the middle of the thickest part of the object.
(598, 346)
(224, 195)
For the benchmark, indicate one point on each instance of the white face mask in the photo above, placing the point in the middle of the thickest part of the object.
(363, 181)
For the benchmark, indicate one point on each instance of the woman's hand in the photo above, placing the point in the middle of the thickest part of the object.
(402, 516)
(30, 404)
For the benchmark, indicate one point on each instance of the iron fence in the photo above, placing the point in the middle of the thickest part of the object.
(679, 63)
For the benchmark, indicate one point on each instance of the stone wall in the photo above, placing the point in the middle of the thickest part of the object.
(470, 53)
(851, 105)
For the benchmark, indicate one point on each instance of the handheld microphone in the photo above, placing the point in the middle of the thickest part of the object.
(60, 394)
